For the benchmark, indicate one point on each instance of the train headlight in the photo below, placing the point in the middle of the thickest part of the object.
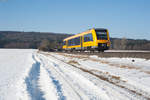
(108, 43)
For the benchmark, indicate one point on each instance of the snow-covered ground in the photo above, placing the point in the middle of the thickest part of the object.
(126, 51)
(14, 67)
(32, 75)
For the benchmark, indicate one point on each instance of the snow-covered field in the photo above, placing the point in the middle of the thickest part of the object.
(31, 75)
(126, 51)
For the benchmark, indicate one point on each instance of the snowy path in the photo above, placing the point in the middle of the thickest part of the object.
(85, 85)
(69, 83)
(32, 75)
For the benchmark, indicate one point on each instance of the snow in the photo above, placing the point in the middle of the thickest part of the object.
(14, 65)
(135, 74)
(27, 74)
(126, 51)
(48, 90)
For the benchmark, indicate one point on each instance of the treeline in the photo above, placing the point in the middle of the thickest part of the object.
(130, 44)
(42, 40)
(12, 39)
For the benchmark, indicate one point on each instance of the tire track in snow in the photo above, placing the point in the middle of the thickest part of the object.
(58, 86)
(32, 81)
(66, 81)
(86, 91)
(64, 78)
(129, 91)
(57, 83)
(63, 75)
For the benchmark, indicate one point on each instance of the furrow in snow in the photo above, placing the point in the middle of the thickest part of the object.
(32, 81)
(83, 85)
(134, 93)
(62, 86)
(47, 86)
(133, 85)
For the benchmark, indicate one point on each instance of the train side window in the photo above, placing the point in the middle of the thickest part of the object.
(69, 42)
(75, 41)
(88, 37)
(64, 42)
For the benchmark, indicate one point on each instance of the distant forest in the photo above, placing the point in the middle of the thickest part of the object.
(15, 39)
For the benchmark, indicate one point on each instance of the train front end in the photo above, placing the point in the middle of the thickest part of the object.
(102, 39)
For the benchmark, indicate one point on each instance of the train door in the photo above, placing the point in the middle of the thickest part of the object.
(66, 43)
(81, 42)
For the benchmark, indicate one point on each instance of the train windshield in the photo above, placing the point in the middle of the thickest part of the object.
(101, 34)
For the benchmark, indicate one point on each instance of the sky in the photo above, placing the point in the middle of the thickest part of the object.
(123, 18)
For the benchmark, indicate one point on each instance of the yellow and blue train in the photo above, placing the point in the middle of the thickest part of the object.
(93, 39)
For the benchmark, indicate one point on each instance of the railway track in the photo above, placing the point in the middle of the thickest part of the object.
(137, 54)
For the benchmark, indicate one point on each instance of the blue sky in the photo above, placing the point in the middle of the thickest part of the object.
(123, 18)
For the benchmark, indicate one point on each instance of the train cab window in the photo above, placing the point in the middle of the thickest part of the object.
(88, 37)
(101, 34)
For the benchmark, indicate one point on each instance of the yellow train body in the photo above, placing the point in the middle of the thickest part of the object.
(93, 39)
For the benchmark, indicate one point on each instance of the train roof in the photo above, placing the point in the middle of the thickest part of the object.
(87, 31)
(100, 28)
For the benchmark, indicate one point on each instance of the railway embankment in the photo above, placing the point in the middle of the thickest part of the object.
(145, 55)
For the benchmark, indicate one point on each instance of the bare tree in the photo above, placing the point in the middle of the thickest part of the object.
(45, 45)
(123, 43)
